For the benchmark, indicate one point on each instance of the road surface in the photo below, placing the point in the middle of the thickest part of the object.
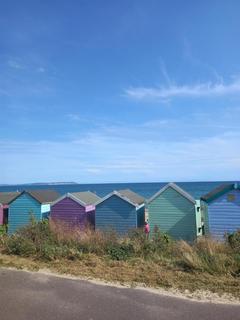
(35, 296)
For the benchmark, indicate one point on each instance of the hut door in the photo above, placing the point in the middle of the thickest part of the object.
(5, 216)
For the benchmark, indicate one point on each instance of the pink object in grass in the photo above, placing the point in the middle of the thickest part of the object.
(147, 228)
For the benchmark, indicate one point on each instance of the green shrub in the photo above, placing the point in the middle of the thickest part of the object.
(20, 246)
(234, 240)
(122, 251)
(37, 232)
(161, 241)
(158, 244)
(3, 229)
(51, 252)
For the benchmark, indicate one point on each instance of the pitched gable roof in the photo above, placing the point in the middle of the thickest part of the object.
(219, 191)
(42, 196)
(121, 196)
(87, 197)
(84, 198)
(7, 197)
(176, 188)
(132, 196)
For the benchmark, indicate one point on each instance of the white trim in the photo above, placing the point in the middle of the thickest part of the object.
(69, 195)
(176, 188)
(116, 193)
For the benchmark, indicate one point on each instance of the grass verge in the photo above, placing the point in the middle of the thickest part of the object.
(134, 260)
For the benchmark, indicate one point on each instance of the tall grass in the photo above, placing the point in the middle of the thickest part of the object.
(51, 240)
(207, 255)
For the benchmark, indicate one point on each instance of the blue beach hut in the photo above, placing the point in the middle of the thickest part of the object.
(121, 211)
(221, 209)
(34, 203)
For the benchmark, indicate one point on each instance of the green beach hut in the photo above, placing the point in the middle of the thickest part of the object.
(173, 211)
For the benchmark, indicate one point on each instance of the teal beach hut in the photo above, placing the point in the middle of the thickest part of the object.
(173, 211)
(34, 203)
(121, 211)
(221, 208)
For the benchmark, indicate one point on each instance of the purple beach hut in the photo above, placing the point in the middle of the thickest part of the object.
(75, 209)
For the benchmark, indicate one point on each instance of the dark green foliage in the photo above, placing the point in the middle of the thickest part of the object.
(234, 240)
(20, 246)
(3, 229)
(160, 243)
(121, 251)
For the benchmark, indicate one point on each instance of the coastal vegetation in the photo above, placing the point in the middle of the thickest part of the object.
(132, 259)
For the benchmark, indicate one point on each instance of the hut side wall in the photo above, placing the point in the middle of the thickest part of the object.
(172, 213)
(70, 213)
(117, 214)
(20, 211)
(224, 214)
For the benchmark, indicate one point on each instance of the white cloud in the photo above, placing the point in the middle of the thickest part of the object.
(180, 91)
(16, 64)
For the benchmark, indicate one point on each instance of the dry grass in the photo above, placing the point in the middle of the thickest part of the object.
(133, 272)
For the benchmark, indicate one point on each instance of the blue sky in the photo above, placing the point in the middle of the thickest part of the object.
(118, 91)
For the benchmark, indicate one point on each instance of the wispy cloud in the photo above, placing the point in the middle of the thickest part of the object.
(208, 89)
(16, 64)
(98, 158)
(76, 117)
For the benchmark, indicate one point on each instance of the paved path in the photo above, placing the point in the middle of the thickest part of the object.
(35, 296)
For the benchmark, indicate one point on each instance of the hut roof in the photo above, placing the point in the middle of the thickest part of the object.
(42, 196)
(176, 188)
(87, 197)
(217, 192)
(132, 196)
(125, 195)
(7, 197)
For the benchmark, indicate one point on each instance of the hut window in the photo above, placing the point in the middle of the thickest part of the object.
(231, 197)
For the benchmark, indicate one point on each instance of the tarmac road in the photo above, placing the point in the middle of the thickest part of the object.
(36, 296)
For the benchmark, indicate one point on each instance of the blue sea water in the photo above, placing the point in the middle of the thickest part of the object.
(146, 189)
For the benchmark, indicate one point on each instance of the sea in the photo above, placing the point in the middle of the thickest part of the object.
(146, 189)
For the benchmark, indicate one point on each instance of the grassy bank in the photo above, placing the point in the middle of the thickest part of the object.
(159, 262)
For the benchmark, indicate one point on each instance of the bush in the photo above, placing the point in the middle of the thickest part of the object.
(121, 251)
(51, 252)
(37, 232)
(20, 246)
(161, 241)
(234, 240)
(159, 244)
(3, 229)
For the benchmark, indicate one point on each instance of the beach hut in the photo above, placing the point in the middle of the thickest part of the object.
(75, 209)
(172, 210)
(120, 211)
(221, 208)
(34, 203)
(5, 198)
